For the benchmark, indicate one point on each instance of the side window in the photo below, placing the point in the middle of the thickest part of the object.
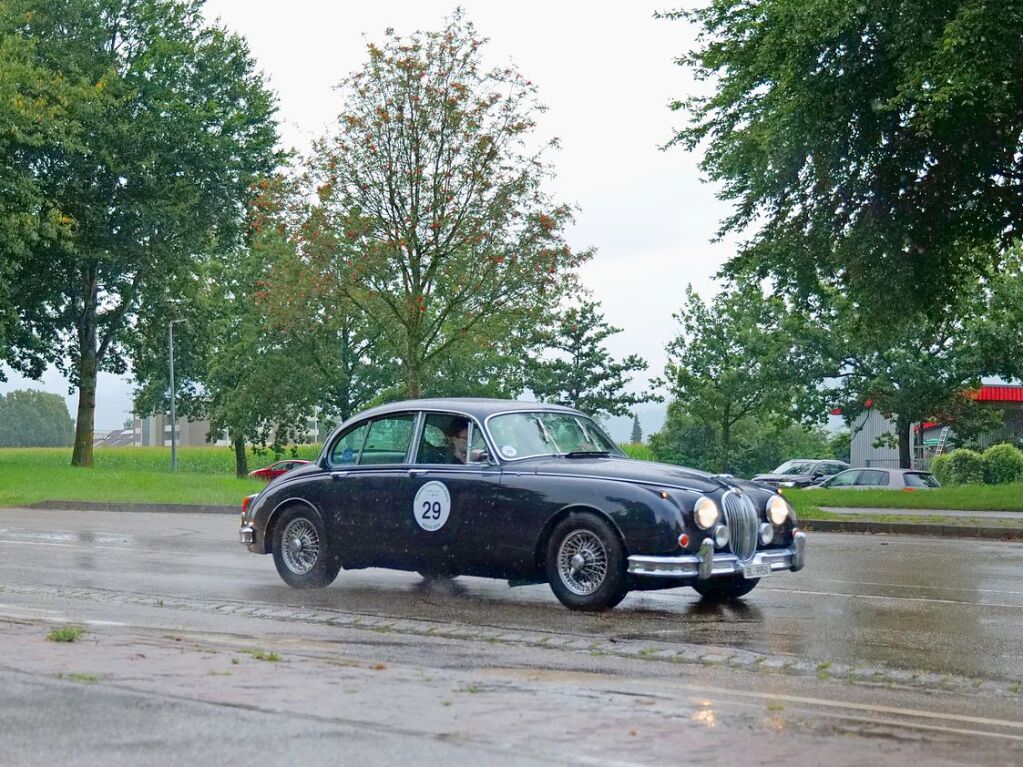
(845, 479)
(444, 439)
(478, 452)
(346, 450)
(873, 479)
(832, 468)
(388, 439)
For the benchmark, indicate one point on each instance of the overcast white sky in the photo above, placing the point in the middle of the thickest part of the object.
(606, 73)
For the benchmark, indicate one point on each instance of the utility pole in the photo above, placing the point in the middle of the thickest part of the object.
(173, 413)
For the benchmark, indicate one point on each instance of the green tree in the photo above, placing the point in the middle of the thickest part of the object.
(173, 126)
(258, 355)
(32, 418)
(637, 431)
(732, 366)
(757, 445)
(574, 367)
(36, 105)
(925, 372)
(431, 202)
(875, 146)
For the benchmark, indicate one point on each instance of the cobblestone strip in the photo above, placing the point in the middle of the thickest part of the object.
(640, 649)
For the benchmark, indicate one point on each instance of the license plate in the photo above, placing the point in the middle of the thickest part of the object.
(756, 571)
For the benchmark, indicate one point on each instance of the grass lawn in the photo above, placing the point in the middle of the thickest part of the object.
(140, 475)
(963, 497)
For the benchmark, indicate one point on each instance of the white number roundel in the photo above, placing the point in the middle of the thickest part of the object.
(432, 506)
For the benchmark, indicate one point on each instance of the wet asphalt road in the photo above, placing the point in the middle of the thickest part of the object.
(938, 624)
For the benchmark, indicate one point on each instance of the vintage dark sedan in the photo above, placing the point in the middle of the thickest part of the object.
(521, 491)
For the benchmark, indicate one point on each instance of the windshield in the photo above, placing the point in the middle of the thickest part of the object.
(522, 435)
(795, 467)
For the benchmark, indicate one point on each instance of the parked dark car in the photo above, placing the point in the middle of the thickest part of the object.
(801, 472)
(520, 491)
(275, 470)
(882, 479)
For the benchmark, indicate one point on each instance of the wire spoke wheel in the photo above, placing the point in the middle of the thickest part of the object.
(301, 546)
(582, 562)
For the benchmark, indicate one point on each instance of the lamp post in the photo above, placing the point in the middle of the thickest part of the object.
(173, 414)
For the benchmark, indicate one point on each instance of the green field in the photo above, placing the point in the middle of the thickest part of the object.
(963, 498)
(142, 475)
(206, 476)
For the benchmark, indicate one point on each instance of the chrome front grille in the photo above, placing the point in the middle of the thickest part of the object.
(743, 525)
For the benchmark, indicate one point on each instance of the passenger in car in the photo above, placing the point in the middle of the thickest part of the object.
(457, 438)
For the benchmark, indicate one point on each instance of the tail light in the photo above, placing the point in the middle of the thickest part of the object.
(246, 501)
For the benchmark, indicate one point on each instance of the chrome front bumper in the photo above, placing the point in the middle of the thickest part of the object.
(708, 564)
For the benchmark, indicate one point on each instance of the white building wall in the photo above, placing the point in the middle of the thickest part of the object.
(865, 430)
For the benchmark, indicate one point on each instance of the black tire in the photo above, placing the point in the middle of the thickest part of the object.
(590, 587)
(295, 565)
(725, 587)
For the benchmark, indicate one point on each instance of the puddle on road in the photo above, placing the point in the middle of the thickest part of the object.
(70, 538)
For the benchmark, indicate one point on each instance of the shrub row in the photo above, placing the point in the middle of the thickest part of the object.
(998, 465)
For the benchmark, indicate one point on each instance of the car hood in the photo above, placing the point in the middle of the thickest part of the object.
(630, 470)
(782, 478)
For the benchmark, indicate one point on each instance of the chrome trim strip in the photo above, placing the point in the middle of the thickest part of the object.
(740, 514)
(384, 410)
(695, 566)
(705, 568)
(799, 550)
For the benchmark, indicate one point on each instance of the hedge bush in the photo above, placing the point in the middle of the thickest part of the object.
(1003, 464)
(939, 468)
(965, 467)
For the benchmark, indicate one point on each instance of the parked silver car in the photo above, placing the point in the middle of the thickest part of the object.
(882, 479)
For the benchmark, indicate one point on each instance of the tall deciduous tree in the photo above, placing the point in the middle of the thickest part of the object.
(174, 124)
(31, 418)
(575, 368)
(258, 355)
(36, 104)
(732, 365)
(431, 202)
(874, 146)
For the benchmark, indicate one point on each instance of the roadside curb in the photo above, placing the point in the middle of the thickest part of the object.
(912, 528)
(148, 508)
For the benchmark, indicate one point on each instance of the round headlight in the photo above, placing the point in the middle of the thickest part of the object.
(777, 510)
(706, 512)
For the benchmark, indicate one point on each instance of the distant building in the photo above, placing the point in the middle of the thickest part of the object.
(926, 438)
(155, 431)
(115, 438)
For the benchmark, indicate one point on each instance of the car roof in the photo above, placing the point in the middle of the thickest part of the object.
(479, 408)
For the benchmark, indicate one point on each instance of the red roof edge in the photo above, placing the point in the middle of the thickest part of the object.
(998, 393)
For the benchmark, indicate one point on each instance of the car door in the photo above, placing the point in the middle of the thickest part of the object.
(368, 465)
(448, 499)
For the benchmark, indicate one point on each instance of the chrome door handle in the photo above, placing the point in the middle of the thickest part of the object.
(335, 475)
(418, 472)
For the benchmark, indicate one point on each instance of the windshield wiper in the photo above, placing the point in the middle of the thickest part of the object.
(588, 453)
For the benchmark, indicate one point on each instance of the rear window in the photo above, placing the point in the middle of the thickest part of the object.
(921, 479)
